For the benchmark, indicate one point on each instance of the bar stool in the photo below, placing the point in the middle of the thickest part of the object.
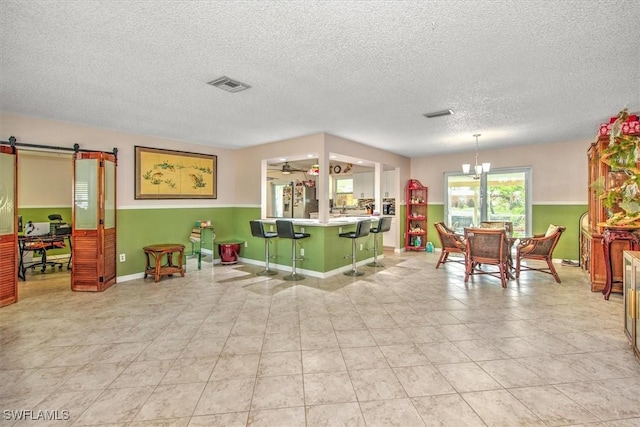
(362, 229)
(286, 231)
(384, 224)
(257, 230)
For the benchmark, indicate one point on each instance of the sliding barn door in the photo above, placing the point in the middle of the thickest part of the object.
(93, 251)
(8, 225)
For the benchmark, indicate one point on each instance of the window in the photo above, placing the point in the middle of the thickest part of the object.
(344, 192)
(500, 195)
(344, 185)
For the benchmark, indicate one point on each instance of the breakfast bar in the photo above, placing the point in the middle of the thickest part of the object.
(325, 253)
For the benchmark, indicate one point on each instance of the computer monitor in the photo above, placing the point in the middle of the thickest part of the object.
(37, 228)
(19, 223)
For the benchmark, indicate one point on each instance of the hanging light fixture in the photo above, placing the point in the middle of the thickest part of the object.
(479, 169)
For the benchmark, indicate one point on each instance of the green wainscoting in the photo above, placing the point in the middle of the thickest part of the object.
(324, 250)
(543, 215)
(567, 216)
(141, 227)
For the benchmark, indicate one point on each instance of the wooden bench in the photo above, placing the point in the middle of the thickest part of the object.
(157, 252)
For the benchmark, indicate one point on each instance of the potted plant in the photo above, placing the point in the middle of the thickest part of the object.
(621, 194)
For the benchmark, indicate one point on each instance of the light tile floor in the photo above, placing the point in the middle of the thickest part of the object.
(404, 345)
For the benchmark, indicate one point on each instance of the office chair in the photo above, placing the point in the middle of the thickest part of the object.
(61, 229)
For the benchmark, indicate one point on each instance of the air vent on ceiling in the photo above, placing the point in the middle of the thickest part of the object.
(438, 114)
(230, 85)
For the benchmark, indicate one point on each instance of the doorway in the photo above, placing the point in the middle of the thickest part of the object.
(92, 215)
(41, 195)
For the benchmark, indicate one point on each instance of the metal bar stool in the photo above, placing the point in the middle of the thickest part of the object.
(257, 230)
(362, 229)
(286, 231)
(384, 224)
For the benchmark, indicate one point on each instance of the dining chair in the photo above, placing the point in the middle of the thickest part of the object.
(539, 248)
(507, 225)
(487, 247)
(452, 243)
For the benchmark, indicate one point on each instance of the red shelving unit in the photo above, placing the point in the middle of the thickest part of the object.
(416, 196)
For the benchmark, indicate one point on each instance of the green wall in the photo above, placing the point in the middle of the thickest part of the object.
(543, 215)
(141, 227)
(324, 250)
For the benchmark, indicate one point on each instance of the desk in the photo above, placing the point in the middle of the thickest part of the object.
(157, 252)
(41, 244)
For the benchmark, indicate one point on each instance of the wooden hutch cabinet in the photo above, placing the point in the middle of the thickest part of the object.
(592, 254)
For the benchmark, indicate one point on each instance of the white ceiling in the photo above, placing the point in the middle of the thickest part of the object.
(518, 72)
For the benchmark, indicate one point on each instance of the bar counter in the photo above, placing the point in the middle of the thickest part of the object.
(333, 222)
(325, 253)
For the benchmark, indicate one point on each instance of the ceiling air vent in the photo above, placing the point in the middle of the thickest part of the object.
(230, 85)
(438, 114)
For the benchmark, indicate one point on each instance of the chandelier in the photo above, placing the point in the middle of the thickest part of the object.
(479, 169)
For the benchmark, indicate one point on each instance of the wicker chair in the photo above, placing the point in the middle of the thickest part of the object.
(451, 242)
(508, 226)
(486, 247)
(539, 248)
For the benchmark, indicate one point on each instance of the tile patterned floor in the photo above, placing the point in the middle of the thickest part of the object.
(404, 345)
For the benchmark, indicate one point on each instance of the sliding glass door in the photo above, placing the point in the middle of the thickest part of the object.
(500, 195)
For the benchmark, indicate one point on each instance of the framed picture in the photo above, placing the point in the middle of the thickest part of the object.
(168, 174)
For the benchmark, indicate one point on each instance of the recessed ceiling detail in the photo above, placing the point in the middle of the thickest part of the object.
(230, 85)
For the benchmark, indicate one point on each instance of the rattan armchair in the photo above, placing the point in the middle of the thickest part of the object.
(487, 247)
(451, 242)
(539, 248)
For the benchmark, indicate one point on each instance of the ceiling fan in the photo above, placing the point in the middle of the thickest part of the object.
(287, 169)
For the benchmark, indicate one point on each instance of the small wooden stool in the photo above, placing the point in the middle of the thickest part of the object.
(157, 252)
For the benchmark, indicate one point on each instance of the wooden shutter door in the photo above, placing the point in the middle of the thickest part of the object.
(8, 225)
(94, 226)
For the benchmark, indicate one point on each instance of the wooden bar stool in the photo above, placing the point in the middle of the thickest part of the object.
(286, 231)
(362, 229)
(384, 224)
(257, 230)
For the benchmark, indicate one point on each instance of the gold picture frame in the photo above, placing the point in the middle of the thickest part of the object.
(169, 174)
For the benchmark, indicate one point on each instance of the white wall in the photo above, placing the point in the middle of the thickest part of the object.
(44, 179)
(248, 166)
(31, 130)
(248, 160)
(559, 171)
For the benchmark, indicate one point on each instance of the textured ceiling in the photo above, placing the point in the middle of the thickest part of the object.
(518, 72)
